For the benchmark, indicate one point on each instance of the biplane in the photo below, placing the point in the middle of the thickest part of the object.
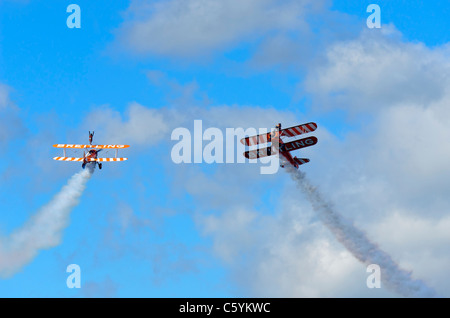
(278, 146)
(90, 158)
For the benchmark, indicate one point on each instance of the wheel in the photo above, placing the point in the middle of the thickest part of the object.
(100, 166)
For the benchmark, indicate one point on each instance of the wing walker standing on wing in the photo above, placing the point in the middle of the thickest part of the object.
(91, 136)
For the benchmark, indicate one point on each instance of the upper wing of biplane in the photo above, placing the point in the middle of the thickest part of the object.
(91, 146)
(298, 130)
(289, 132)
(91, 159)
(258, 139)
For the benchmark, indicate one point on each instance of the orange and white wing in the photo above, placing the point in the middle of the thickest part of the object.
(109, 146)
(71, 146)
(109, 159)
(91, 159)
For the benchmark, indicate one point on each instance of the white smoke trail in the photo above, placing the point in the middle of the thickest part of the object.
(357, 243)
(43, 230)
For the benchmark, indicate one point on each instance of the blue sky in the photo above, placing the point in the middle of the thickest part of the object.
(150, 228)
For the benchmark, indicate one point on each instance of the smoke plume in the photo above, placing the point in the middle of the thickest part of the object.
(44, 229)
(356, 242)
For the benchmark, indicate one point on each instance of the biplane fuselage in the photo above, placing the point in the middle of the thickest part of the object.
(92, 154)
(91, 158)
(286, 155)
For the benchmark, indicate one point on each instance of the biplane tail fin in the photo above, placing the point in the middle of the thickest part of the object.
(301, 161)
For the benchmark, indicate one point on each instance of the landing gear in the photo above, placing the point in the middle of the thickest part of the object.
(83, 165)
(100, 166)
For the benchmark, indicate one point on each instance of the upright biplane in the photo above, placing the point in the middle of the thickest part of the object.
(278, 146)
(90, 153)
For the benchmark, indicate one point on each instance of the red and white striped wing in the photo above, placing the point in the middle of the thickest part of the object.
(288, 132)
(301, 143)
(298, 130)
(259, 153)
(254, 140)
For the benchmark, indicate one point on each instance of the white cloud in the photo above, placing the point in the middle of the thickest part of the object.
(104, 289)
(138, 125)
(183, 28)
(4, 96)
(285, 254)
(11, 125)
(392, 175)
(377, 70)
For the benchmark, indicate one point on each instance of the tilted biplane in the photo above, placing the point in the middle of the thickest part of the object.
(91, 157)
(279, 146)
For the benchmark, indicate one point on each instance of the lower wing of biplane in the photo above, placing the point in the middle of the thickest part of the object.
(290, 146)
(88, 158)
